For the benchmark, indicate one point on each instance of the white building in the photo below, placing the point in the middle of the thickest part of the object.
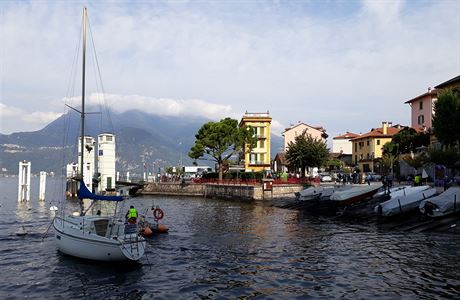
(342, 143)
(71, 170)
(106, 161)
(88, 160)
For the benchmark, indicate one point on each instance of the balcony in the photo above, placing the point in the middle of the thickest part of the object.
(258, 163)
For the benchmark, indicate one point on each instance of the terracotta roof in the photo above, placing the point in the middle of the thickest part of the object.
(448, 82)
(431, 92)
(378, 132)
(346, 136)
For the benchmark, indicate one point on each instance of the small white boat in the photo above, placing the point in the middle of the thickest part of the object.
(355, 194)
(314, 192)
(391, 191)
(442, 205)
(404, 200)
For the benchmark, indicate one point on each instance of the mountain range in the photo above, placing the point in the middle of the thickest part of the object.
(159, 141)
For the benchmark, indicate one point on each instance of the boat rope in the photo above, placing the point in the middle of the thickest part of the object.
(46, 232)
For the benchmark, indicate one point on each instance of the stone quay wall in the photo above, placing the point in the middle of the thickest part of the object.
(223, 191)
(174, 189)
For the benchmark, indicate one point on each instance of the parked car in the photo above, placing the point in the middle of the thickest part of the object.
(325, 177)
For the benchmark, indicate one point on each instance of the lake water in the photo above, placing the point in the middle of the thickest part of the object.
(220, 249)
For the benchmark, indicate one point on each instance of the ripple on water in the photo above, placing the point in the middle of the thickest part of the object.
(218, 250)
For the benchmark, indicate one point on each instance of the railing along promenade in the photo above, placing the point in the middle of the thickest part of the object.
(278, 181)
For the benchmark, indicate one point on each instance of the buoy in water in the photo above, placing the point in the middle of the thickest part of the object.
(162, 228)
(151, 229)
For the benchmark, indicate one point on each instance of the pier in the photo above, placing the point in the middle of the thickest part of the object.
(224, 190)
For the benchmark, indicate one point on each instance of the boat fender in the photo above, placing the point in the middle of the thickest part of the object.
(147, 231)
(158, 213)
(162, 228)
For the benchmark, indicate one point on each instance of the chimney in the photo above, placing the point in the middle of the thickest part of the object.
(385, 127)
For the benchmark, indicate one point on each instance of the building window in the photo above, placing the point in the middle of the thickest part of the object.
(356, 147)
(421, 119)
(368, 156)
(368, 143)
(421, 104)
(261, 158)
(261, 132)
(360, 157)
(262, 144)
(252, 158)
(378, 142)
(356, 159)
(109, 138)
(101, 152)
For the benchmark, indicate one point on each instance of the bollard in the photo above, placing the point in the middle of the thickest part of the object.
(42, 190)
(24, 181)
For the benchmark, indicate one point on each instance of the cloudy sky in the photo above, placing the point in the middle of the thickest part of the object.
(344, 65)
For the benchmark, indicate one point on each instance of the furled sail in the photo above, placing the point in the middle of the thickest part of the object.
(84, 193)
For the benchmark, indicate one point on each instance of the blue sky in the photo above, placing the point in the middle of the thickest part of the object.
(343, 65)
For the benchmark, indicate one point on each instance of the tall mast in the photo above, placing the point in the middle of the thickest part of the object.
(83, 93)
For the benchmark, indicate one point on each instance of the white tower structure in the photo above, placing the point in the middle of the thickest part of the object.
(42, 189)
(106, 161)
(71, 170)
(24, 181)
(88, 160)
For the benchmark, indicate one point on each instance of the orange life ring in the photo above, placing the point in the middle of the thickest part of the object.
(158, 213)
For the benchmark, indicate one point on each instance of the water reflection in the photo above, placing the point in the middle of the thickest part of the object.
(223, 249)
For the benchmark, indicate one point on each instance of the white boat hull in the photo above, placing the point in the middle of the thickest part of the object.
(73, 241)
(404, 200)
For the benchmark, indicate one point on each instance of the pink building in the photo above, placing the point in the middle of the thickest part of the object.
(290, 133)
(422, 109)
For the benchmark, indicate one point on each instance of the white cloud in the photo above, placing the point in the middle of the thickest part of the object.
(156, 106)
(341, 71)
(16, 119)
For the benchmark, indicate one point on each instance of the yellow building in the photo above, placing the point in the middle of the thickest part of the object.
(259, 157)
(367, 148)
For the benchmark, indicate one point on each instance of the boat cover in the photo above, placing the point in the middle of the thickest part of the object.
(405, 200)
(447, 201)
(355, 191)
(84, 193)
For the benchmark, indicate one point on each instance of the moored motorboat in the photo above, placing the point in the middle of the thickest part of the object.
(391, 191)
(354, 194)
(404, 200)
(444, 204)
(314, 192)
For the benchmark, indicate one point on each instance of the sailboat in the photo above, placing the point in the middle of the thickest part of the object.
(96, 237)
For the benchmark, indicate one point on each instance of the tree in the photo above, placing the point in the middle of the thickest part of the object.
(416, 161)
(306, 151)
(446, 157)
(218, 141)
(406, 141)
(446, 124)
(388, 160)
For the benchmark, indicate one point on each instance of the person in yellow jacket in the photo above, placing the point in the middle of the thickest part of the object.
(131, 215)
